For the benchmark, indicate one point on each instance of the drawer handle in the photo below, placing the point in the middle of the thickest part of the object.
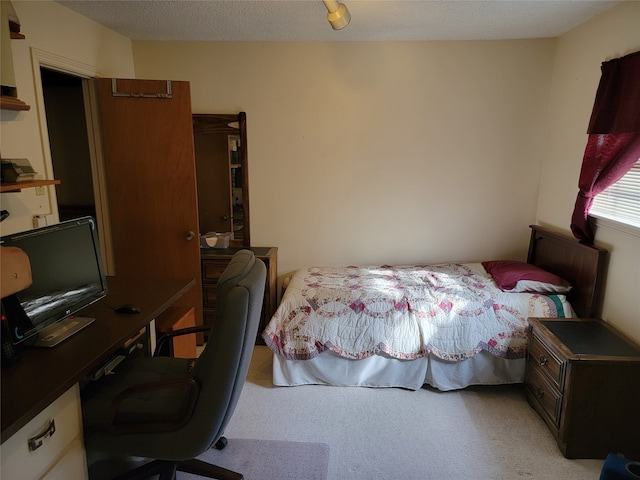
(543, 360)
(539, 392)
(48, 431)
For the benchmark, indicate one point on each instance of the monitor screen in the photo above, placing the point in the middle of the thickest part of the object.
(66, 271)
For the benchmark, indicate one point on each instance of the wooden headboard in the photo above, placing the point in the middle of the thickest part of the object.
(583, 266)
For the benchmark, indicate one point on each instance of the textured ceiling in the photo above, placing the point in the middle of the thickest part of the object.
(305, 20)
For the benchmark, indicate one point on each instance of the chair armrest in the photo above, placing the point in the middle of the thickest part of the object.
(159, 426)
(183, 331)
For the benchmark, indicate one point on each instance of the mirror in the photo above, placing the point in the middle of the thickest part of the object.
(220, 142)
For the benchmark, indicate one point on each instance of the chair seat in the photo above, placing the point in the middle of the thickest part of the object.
(167, 405)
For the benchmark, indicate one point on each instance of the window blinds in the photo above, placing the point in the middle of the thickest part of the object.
(621, 201)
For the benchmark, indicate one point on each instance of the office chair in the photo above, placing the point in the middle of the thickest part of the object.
(171, 410)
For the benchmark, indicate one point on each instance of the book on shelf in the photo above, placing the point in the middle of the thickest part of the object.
(15, 170)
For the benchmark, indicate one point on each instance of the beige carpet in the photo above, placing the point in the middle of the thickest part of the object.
(480, 433)
(269, 460)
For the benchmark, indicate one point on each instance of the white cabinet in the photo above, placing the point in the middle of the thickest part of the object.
(61, 455)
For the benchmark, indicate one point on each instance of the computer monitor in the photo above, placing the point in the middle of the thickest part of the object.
(67, 275)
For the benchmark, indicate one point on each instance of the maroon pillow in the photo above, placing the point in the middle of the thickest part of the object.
(517, 277)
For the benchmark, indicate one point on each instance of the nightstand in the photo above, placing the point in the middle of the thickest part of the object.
(215, 260)
(583, 378)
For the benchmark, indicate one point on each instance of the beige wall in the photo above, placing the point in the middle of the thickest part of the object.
(378, 152)
(55, 35)
(576, 74)
(373, 152)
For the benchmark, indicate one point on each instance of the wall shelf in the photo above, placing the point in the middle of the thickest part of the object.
(16, 187)
(10, 103)
(9, 99)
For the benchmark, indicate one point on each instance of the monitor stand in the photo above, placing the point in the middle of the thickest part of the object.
(55, 333)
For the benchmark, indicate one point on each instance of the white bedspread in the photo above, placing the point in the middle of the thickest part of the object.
(451, 311)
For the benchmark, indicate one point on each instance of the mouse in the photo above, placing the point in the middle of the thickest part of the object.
(127, 308)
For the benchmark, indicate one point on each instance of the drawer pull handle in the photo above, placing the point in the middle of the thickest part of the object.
(543, 360)
(539, 392)
(48, 431)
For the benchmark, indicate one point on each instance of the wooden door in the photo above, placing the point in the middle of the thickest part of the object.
(147, 138)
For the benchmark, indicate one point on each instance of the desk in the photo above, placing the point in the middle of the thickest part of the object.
(44, 374)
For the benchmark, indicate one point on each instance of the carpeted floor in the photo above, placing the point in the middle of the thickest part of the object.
(270, 460)
(480, 433)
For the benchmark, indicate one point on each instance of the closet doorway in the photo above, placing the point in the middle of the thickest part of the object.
(68, 143)
(71, 144)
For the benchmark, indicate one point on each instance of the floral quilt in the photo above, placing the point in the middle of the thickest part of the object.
(452, 311)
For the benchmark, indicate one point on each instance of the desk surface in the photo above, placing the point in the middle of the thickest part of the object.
(43, 374)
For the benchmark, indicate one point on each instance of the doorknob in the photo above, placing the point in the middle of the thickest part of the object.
(190, 235)
(225, 217)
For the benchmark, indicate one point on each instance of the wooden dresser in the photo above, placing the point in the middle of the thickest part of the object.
(215, 260)
(583, 378)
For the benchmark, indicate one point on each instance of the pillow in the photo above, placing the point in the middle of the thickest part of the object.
(519, 277)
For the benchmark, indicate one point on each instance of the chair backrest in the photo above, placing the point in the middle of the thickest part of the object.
(222, 367)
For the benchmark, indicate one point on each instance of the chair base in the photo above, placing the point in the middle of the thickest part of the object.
(167, 470)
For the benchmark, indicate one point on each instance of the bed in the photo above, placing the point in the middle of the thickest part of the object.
(447, 326)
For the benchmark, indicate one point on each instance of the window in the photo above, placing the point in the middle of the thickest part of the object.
(621, 201)
(613, 146)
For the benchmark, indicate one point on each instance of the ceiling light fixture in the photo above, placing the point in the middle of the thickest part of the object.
(338, 16)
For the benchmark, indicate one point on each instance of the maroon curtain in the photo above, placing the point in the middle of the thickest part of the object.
(613, 146)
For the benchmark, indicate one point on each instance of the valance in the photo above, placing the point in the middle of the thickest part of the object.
(617, 105)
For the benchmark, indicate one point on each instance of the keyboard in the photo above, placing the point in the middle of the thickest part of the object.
(57, 332)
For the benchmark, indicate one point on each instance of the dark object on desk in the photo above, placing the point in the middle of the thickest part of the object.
(15, 275)
(127, 308)
(9, 354)
(182, 406)
(15, 319)
(4, 214)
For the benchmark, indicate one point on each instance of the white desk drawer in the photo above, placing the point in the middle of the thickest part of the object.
(18, 462)
(72, 465)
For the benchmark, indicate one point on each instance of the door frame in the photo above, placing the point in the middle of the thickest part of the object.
(87, 74)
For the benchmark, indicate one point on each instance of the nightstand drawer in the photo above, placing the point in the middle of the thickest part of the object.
(547, 361)
(543, 393)
(209, 316)
(212, 269)
(214, 261)
(209, 295)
